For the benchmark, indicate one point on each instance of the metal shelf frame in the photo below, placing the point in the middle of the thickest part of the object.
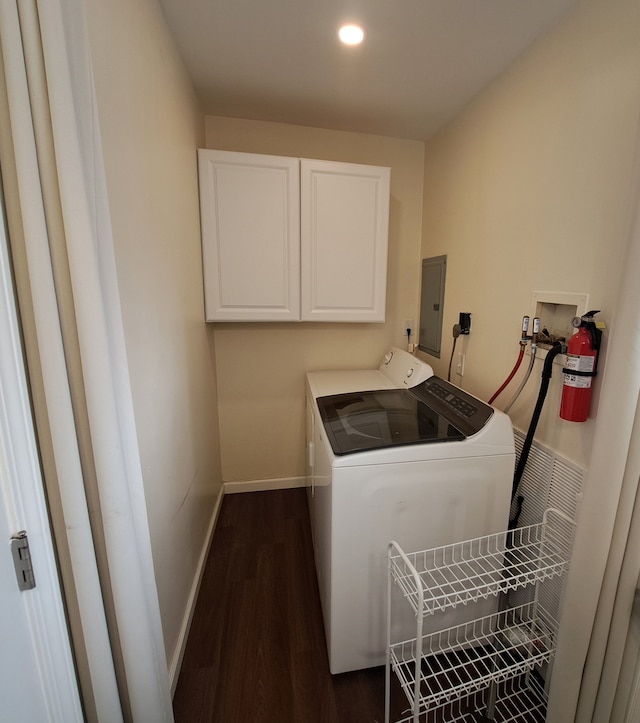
(479, 665)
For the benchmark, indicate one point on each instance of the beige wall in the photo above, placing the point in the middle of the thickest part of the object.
(532, 188)
(529, 189)
(261, 367)
(151, 127)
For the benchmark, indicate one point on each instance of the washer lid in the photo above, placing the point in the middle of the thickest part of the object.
(434, 411)
(358, 421)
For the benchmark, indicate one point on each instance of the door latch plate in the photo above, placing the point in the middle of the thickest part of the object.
(22, 561)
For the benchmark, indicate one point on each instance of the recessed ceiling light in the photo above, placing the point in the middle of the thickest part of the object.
(351, 34)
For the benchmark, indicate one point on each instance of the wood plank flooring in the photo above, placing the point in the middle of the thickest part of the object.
(256, 650)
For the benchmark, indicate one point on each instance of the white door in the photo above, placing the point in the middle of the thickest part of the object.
(23, 694)
(37, 678)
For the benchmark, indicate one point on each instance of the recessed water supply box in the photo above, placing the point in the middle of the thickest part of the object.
(556, 310)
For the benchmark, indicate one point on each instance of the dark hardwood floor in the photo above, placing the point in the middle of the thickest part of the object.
(256, 650)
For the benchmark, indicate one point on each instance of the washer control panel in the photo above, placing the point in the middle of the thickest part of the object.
(404, 369)
(466, 412)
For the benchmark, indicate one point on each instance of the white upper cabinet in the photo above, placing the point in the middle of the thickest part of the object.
(287, 239)
(344, 229)
(250, 216)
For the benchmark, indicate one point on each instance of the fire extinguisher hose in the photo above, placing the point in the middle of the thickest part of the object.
(547, 369)
(511, 375)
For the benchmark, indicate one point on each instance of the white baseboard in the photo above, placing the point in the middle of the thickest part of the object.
(260, 485)
(178, 655)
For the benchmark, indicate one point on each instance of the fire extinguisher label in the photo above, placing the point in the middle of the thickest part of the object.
(571, 380)
(579, 364)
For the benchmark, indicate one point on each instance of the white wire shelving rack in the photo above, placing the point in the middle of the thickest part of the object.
(486, 667)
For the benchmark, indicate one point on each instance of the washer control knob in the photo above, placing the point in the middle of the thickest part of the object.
(410, 372)
(388, 357)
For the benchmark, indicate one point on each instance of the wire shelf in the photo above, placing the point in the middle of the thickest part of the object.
(443, 577)
(459, 661)
(522, 699)
(464, 710)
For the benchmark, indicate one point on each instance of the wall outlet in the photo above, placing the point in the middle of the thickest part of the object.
(408, 324)
(460, 365)
(465, 322)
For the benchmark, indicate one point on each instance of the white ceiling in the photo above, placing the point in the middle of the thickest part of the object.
(422, 60)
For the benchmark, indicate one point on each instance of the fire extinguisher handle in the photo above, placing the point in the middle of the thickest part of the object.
(590, 325)
(596, 336)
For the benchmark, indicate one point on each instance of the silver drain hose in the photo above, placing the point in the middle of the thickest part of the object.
(534, 349)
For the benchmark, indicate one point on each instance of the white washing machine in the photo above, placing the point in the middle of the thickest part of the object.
(396, 453)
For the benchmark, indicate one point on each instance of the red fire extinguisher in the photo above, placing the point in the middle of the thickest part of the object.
(581, 368)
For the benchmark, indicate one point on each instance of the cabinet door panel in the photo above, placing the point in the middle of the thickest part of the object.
(344, 228)
(250, 234)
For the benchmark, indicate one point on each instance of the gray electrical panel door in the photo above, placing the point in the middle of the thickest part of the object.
(432, 304)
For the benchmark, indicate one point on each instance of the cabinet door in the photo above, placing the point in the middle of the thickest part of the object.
(250, 215)
(344, 229)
